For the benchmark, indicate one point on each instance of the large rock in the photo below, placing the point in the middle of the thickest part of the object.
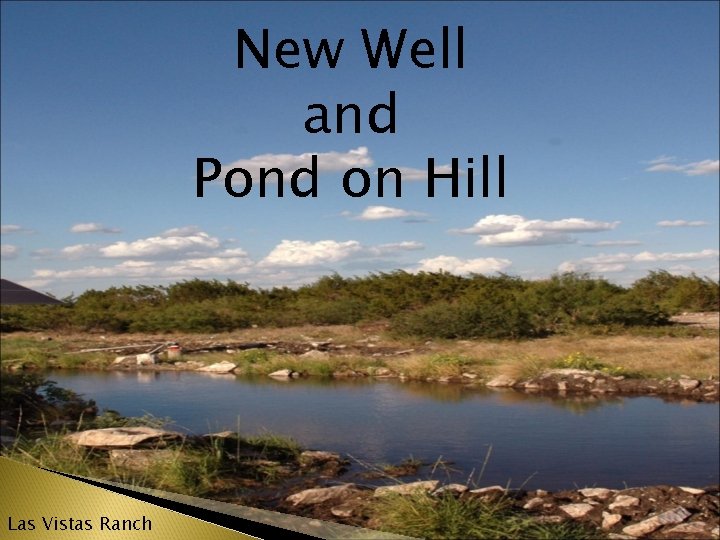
(281, 374)
(220, 367)
(407, 489)
(577, 510)
(501, 381)
(125, 437)
(321, 495)
(315, 457)
(596, 493)
(624, 501)
(671, 517)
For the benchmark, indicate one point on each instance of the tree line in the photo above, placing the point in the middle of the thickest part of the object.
(424, 304)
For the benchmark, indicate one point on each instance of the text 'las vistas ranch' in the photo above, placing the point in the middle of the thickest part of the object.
(382, 49)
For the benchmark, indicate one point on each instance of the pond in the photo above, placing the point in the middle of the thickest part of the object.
(537, 441)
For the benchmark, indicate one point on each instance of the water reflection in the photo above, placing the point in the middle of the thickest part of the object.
(583, 440)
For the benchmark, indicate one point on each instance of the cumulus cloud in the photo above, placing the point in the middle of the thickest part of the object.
(515, 230)
(9, 251)
(162, 246)
(78, 251)
(93, 228)
(188, 230)
(696, 168)
(455, 265)
(374, 213)
(302, 253)
(184, 268)
(296, 253)
(681, 223)
(289, 163)
(618, 262)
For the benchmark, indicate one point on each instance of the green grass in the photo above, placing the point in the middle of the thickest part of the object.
(423, 516)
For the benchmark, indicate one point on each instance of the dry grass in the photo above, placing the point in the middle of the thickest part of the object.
(649, 355)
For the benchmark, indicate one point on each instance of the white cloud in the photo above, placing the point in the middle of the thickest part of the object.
(301, 253)
(391, 249)
(9, 229)
(681, 223)
(289, 163)
(455, 265)
(610, 243)
(160, 246)
(515, 230)
(696, 168)
(78, 251)
(9, 251)
(373, 213)
(188, 230)
(93, 228)
(617, 262)
(296, 253)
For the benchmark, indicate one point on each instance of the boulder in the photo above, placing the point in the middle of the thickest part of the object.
(281, 374)
(220, 367)
(596, 493)
(689, 384)
(146, 359)
(610, 520)
(624, 501)
(670, 517)
(125, 360)
(451, 488)
(577, 510)
(501, 381)
(321, 495)
(407, 489)
(125, 437)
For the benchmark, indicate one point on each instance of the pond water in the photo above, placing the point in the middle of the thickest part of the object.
(539, 441)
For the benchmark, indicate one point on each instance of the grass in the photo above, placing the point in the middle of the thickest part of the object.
(657, 352)
(421, 515)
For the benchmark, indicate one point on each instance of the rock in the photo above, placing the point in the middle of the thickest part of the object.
(689, 384)
(343, 510)
(139, 460)
(490, 490)
(321, 495)
(610, 520)
(562, 386)
(315, 354)
(382, 372)
(694, 527)
(407, 489)
(120, 437)
(501, 381)
(532, 504)
(624, 501)
(313, 457)
(125, 360)
(146, 359)
(469, 376)
(220, 367)
(577, 510)
(597, 493)
(715, 532)
(451, 488)
(281, 374)
(692, 490)
(649, 525)
(618, 536)
(221, 435)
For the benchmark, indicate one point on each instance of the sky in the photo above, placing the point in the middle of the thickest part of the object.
(606, 113)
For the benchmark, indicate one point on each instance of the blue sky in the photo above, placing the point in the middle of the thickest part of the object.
(607, 114)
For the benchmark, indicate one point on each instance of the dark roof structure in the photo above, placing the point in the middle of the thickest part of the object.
(12, 293)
